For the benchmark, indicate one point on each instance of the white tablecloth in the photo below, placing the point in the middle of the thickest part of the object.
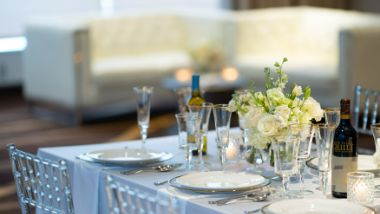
(88, 178)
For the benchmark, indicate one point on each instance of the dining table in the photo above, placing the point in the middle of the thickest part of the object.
(88, 178)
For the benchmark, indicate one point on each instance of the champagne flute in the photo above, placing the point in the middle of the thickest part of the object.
(222, 118)
(143, 98)
(203, 112)
(332, 116)
(324, 135)
(183, 95)
(285, 148)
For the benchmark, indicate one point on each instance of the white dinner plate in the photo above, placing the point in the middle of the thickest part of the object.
(219, 181)
(315, 206)
(365, 163)
(128, 156)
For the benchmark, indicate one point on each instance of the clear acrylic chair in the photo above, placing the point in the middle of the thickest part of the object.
(366, 102)
(123, 199)
(41, 184)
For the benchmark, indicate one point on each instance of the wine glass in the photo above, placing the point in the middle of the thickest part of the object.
(203, 112)
(183, 141)
(324, 135)
(182, 95)
(143, 97)
(222, 118)
(305, 133)
(332, 116)
(285, 149)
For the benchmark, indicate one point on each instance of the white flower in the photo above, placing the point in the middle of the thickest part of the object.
(269, 124)
(277, 97)
(257, 140)
(313, 109)
(297, 90)
(232, 105)
(283, 111)
(252, 117)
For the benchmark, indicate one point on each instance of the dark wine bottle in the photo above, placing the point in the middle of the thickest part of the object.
(344, 152)
(196, 99)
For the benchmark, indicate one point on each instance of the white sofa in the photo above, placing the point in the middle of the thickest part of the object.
(85, 61)
(330, 50)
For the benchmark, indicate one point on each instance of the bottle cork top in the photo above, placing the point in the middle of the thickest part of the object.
(345, 106)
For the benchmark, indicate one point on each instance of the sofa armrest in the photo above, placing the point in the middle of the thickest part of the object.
(56, 63)
(359, 54)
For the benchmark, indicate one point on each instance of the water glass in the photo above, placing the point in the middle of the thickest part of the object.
(332, 116)
(285, 149)
(183, 140)
(324, 135)
(143, 98)
(222, 118)
(182, 95)
(203, 112)
(360, 187)
(305, 133)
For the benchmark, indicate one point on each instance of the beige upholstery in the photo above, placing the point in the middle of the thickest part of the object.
(80, 62)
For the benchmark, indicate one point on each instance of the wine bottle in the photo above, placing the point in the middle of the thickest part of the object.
(344, 152)
(196, 99)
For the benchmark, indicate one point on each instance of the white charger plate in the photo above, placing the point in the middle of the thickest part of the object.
(365, 163)
(315, 206)
(219, 181)
(128, 156)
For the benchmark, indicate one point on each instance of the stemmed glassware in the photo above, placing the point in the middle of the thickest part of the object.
(143, 96)
(222, 118)
(183, 140)
(305, 133)
(324, 135)
(182, 95)
(285, 149)
(203, 112)
(332, 116)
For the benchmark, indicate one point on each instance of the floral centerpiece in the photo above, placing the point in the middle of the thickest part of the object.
(267, 114)
(207, 57)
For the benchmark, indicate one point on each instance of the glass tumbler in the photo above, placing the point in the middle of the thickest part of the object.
(360, 187)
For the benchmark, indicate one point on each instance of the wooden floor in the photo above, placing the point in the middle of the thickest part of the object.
(18, 126)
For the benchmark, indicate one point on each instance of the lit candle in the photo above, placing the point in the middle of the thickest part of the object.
(361, 192)
(360, 187)
(231, 151)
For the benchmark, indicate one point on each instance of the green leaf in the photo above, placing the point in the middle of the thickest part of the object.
(307, 92)
(284, 60)
(276, 64)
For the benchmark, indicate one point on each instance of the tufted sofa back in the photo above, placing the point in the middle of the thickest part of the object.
(136, 35)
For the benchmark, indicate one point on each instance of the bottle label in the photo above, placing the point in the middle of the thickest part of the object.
(340, 167)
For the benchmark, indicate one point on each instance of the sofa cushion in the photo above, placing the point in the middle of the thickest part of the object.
(129, 69)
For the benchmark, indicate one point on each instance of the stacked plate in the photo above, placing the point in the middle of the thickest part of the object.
(316, 206)
(219, 182)
(126, 156)
(365, 163)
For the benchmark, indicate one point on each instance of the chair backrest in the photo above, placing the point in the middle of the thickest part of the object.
(366, 102)
(124, 199)
(40, 183)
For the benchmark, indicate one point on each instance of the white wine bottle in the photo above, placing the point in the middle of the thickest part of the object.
(196, 99)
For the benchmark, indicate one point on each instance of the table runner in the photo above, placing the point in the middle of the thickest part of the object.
(88, 178)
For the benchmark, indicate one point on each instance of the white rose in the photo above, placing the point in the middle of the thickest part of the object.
(297, 90)
(313, 108)
(269, 124)
(256, 139)
(232, 105)
(252, 117)
(283, 112)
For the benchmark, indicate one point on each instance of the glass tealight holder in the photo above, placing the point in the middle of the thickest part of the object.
(360, 187)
